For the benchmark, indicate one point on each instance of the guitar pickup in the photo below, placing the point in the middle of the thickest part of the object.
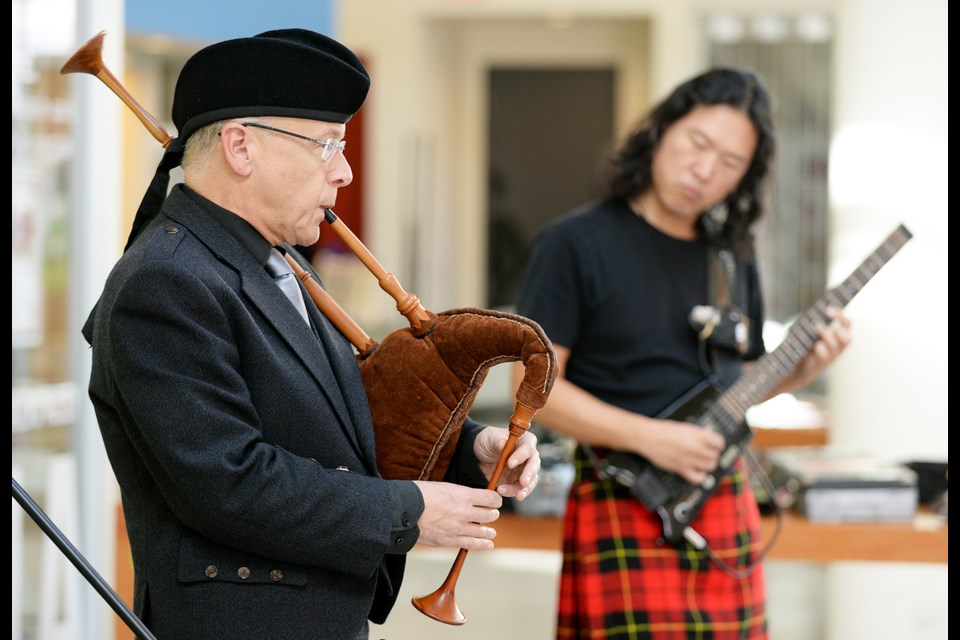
(729, 456)
(624, 476)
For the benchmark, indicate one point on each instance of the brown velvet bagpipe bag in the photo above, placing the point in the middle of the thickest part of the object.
(421, 387)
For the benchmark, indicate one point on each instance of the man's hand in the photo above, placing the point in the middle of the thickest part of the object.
(456, 516)
(688, 450)
(832, 339)
(522, 471)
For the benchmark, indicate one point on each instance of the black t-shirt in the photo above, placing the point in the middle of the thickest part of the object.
(618, 293)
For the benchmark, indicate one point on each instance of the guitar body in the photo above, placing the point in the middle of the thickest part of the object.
(675, 500)
(678, 502)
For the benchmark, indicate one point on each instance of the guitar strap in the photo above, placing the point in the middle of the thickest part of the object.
(723, 328)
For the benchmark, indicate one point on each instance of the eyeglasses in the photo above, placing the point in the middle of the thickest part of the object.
(329, 146)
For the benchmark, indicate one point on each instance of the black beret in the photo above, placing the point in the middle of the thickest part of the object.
(293, 73)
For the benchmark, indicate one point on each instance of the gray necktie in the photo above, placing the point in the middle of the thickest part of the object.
(283, 275)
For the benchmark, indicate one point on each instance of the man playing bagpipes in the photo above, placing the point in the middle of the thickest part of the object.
(239, 430)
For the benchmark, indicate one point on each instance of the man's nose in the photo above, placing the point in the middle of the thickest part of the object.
(705, 166)
(340, 174)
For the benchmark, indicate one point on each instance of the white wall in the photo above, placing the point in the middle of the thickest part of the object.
(888, 395)
(95, 228)
(889, 165)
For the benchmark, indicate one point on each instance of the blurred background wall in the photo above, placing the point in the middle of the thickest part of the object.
(485, 119)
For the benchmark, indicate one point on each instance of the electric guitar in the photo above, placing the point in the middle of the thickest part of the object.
(675, 500)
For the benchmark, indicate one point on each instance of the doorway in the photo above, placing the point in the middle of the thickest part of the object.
(549, 130)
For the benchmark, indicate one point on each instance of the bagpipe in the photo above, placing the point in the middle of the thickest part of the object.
(421, 380)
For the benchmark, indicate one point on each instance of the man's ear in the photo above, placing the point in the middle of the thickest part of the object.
(237, 146)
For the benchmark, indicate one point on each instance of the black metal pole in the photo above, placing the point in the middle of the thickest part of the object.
(94, 578)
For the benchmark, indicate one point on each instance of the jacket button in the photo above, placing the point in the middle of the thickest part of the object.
(211, 572)
(243, 572)
(170, 228)
(398, 542)
(342, 468)
(276, 575)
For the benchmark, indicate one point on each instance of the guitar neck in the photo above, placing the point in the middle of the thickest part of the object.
(754, 386)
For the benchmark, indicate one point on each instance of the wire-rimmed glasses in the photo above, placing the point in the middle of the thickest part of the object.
(329, 147)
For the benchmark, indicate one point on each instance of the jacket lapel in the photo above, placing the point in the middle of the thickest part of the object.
(349, 381)
(263, 293)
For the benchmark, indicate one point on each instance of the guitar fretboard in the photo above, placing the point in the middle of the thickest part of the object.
(754, 386)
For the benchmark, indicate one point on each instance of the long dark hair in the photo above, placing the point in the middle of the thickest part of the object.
(629, 172)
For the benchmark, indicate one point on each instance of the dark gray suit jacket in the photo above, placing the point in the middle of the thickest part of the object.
(242, 444)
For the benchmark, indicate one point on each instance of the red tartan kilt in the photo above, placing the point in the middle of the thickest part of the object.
(620, 581)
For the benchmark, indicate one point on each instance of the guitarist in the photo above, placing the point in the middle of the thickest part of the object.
(614, 284)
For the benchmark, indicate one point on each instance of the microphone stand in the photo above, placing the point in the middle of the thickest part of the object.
(94, 578)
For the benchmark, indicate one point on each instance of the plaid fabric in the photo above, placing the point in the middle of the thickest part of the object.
(619, 583)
